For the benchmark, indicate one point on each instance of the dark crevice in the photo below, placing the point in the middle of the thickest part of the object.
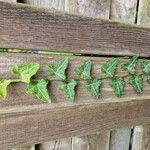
(137, 11)
(110, 9)
(38, 147)
(20, 1)
(131, 139)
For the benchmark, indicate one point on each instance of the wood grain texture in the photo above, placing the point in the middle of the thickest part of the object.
(124, 10)
(53, 4)
(146, 137)
(89, 8)
(17, 91)
(141, 136)
(137, 141)
(25, 148)
(33, 28)
(92, 142)
(31, 122)
(60, 144)
(95, 9)
(144, 13)
(120, 139)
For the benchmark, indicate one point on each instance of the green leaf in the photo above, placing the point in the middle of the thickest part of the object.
(39, 88)
(110, 67)
(69, 88)
(145, 65)
(26, 71)
(93, 86)
(136, 82)
(59, 69)
(84, 70)
(131, 65)
(118, 86)
(3, 88)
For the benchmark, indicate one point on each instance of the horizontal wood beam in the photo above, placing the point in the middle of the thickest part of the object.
(17, 95)
(26, 121)
(39, 123)
(27, 27)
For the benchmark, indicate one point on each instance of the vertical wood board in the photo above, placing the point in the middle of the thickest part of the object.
(95, 9)
(123, 11)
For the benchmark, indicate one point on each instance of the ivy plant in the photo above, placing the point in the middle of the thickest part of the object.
(68, 85)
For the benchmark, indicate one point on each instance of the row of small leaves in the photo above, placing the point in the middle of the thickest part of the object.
(92, 84)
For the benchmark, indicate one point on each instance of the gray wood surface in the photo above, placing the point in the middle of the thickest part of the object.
(34, 28)
(96, 9)
(123, 11)
(141, 134)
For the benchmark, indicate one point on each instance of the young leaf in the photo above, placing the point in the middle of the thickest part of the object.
(118, 86)
(59, 69)
(84, 70)
(69, 88)
(26, 71)
(131, 65)
(137, 83)
(3, 88)
(93, 86)
(110, 67)
(39, 88)
(145, 65)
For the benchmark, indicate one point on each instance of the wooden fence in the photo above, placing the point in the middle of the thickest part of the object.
(25, 121)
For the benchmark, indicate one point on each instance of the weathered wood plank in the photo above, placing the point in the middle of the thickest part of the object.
(89, 8)
(33, 124)
(53, 4)
(7, 61)
(95, 9)
(92, 142)
(120, 139)
(137, 142)
(34, 28)
(25, 148)
(61, 144)
(64, 119)
(144, 13)
(123, 11)
(141, 136)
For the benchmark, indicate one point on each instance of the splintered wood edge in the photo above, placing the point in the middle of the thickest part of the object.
(35, 28)
(50, 122)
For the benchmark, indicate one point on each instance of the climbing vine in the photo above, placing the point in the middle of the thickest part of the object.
(39, 88)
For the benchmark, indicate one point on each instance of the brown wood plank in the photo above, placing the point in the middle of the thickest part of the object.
(89, 8)
(33, 124)
(60, 144)
(141, 136)
(95, 9)
(30, 121)
(17, 94)
(144, 13)
(33, 28)
(123, 11)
